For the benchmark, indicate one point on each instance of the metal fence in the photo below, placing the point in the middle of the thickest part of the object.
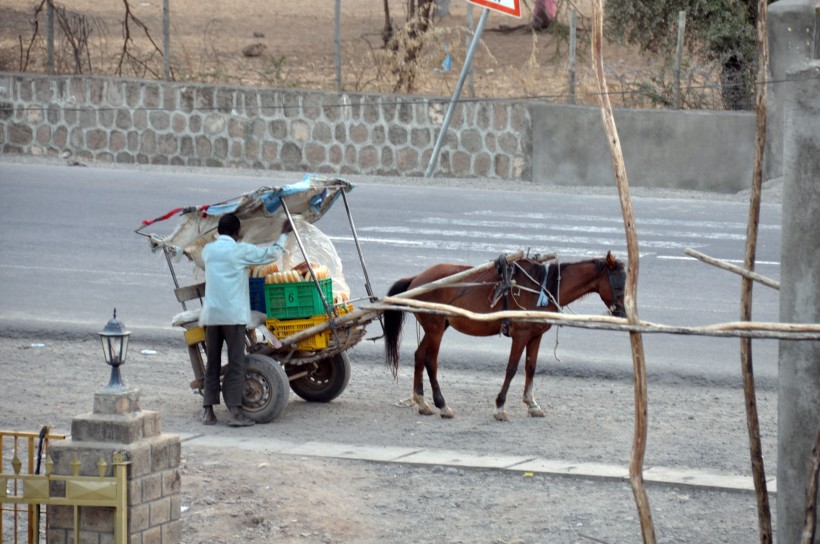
(28, 487)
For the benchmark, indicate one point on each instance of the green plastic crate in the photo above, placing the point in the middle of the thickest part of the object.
(297, 300)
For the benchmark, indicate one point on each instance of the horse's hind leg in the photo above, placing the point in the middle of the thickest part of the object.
(512, 367)
(529, 369)
(427, 358)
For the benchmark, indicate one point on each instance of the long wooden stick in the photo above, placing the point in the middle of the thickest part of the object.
(784, 331)
(367, 314)
(736, 329)
(732, 268)
(630, 297)
(764, 515)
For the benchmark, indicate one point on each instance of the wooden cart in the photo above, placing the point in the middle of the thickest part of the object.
(308, 356)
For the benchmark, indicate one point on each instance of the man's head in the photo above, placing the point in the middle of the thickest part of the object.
(229, 225)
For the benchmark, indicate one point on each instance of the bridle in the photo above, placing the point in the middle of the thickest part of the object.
(617, 286)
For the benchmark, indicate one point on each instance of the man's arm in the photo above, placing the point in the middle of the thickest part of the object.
(255, 255)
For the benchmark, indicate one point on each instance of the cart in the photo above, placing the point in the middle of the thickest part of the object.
(302, 329)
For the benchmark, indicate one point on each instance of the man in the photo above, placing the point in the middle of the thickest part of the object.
(226, 312)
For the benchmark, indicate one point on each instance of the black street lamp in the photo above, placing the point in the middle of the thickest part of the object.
(114, 340)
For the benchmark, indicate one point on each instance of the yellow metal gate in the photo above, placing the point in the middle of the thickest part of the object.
(23, 492)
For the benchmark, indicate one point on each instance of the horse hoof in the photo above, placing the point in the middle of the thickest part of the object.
(500, 416)
(536, 412)
(425, 411)
(446, 413)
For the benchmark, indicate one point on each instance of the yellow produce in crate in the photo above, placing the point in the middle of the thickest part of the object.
(287, 276)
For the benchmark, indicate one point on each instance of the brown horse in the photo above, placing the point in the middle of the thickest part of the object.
(522, 285)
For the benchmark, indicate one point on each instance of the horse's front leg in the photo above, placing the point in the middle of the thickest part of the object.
(529, 369)
(512, 367)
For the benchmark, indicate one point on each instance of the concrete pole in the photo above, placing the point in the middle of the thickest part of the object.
(166, 40)
(798, 413)
(50, 37)
(679, 58)
(337, 43)
(571, 60)
(790, 22)
(468, 37)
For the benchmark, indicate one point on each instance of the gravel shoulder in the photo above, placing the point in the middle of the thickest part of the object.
(237, 495)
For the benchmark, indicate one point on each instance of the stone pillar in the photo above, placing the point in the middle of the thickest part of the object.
(798, 417)
(117, 424)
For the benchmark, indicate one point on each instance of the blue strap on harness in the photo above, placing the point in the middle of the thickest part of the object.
(542, 296)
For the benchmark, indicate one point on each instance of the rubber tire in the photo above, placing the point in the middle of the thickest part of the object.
(325, 383)
(266, 388)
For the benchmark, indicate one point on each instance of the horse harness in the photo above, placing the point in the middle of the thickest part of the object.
(503, 288)
(506, 271)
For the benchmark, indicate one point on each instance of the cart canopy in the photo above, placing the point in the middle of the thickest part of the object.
(260, 211)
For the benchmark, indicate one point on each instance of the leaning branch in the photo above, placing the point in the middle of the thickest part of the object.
(732, 268)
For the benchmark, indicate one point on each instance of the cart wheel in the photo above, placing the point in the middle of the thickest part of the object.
(326, 381)
(266, 388)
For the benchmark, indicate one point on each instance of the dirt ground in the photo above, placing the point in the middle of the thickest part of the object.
(296, 40)
(252, 495)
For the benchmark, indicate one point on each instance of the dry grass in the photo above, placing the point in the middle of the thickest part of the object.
(207, 43)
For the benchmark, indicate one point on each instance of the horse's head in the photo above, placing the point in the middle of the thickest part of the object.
(613, 291)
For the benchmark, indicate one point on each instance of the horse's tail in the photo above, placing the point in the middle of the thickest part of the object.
(393, 321)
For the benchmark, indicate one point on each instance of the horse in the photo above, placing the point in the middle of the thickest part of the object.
(524, 284)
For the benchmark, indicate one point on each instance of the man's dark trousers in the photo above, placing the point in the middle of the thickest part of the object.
(233, 383)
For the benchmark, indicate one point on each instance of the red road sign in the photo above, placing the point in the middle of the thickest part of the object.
(510, 7)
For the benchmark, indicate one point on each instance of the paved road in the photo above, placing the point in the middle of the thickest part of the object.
(69, 255)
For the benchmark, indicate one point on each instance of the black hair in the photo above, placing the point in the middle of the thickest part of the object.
(228, 224)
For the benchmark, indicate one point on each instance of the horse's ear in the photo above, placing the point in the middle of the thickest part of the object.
(611, 261)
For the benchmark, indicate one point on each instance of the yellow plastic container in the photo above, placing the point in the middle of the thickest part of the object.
(195, 335)
(282, 328)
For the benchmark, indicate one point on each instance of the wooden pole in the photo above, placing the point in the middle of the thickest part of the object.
(630, 296)
(764, 515)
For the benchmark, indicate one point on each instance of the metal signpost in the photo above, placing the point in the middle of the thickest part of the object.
(509, 7)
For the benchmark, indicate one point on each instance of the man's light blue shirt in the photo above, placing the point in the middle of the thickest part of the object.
(227, 296)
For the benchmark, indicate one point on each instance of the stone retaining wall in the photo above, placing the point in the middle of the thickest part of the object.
(150, 122)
